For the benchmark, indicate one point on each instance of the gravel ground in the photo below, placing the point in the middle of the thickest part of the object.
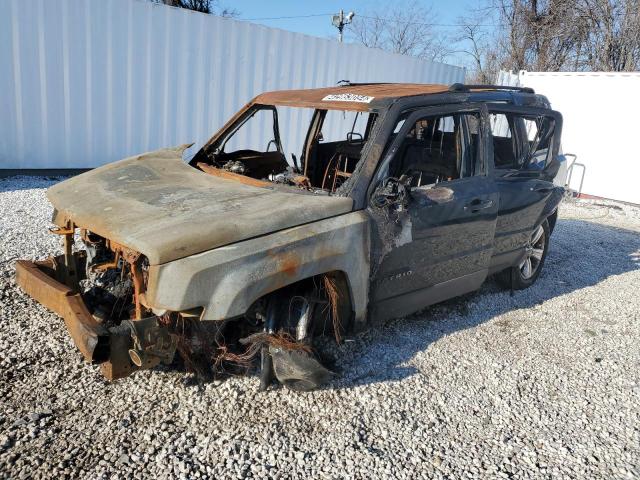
(542, 384)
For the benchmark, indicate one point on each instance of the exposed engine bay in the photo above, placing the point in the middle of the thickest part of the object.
(112, 281)
(108, 288)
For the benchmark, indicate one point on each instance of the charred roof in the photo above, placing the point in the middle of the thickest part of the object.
(347, 97)
(363, 96)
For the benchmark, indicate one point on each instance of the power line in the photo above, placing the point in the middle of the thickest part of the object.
(288, 17)
(383, 20)
(386, 20)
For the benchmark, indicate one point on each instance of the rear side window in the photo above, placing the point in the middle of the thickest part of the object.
(539, 132)
(340, 126)
(521, 142)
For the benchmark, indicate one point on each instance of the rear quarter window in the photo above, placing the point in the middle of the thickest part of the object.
(521, 142)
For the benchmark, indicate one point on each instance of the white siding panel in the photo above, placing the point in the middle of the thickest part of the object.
(85, 83)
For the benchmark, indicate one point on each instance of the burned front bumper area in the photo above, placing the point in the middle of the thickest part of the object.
(215, 314)
(119, 349)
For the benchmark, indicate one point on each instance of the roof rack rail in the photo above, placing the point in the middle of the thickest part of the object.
(349, 83)
(460, 87)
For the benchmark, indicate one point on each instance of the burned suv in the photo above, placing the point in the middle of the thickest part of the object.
(398, 196)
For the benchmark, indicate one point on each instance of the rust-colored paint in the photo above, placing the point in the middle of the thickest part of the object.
(83, 328)
(314, 97)
(62, 230)
(90, 337)
(289, 265)
(138, 287)
(133, 258)
(217, 172)
(129, 255)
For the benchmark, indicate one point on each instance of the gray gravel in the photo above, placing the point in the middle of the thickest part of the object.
(544, 384)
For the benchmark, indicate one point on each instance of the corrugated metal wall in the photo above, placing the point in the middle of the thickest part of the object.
(83, 82)
(600, 126)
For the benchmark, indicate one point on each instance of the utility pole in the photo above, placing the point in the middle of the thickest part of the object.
(340, 20)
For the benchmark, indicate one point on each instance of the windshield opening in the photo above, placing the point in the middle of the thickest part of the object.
(309, 148)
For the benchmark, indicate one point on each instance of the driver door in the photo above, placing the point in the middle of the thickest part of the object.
(436, 242)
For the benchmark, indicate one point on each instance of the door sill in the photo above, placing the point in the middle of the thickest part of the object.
(411, 302)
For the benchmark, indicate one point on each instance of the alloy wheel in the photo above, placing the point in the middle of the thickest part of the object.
(533, 254)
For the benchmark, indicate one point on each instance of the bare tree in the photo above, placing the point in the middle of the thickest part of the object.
(539, 34)
(205, 6)
(553, 35)
(478, 43)
(613, 35)
(406, 28)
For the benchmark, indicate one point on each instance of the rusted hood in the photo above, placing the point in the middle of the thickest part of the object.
(160, 206)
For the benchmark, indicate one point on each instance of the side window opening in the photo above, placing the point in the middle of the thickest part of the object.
(338, 147)
(540, 131)
(256, 133)
(338, 125)
(505, 151)
(253, 146)
(521, 142)
(325, 146)
(437, 149)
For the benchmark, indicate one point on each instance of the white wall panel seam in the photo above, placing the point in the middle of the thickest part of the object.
(17, 79)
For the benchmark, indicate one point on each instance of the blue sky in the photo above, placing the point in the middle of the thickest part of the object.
(262, 11)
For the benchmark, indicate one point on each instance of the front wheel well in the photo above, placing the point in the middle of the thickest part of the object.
(330, 291)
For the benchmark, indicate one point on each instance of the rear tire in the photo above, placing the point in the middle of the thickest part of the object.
(527, 272)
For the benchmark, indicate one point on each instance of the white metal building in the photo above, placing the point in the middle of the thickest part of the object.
(84, 83)
(599, 127)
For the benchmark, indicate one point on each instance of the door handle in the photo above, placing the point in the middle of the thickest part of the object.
(476, 205)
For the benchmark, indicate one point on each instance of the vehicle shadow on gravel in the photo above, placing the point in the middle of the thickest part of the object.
(582, 254)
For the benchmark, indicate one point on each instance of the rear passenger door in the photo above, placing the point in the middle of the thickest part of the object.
(522, 141)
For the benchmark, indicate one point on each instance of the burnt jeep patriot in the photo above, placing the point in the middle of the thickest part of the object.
(398, 196)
